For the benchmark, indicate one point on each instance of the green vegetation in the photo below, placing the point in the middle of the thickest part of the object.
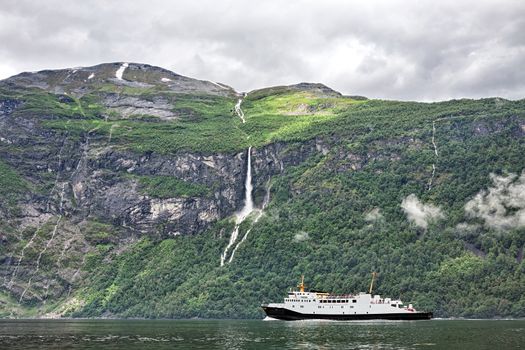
(48, 105)
(319, 221)
(206, 125)
(11, 183)
(317, 225)
(169, 187)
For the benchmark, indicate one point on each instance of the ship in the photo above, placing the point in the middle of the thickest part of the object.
(318, 305)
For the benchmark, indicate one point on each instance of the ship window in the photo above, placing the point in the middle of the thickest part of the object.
(354, 301)
(393, 305)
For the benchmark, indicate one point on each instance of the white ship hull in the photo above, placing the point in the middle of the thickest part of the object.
(324, 306)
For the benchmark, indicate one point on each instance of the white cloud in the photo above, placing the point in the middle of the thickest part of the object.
(373, 215)
(380, 48)
(502, 206)
(465, 229)
(301, 236)
(419, 213)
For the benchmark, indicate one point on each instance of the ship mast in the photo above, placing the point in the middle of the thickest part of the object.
(301, 285)
(374, 274)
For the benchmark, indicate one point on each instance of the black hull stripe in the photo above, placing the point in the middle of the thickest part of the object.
(288, 315)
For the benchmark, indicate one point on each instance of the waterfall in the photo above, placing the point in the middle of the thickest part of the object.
(259, 214)
(246, 209)
(431, 181)
(248, 188)
(238, 109)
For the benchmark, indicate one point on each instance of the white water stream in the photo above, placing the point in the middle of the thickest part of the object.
(48, 243)
(22, 253)
(246, 209)
(238, 109)
(255, 219)
(431, 181)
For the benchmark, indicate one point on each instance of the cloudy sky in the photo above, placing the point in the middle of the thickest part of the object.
(422, 50)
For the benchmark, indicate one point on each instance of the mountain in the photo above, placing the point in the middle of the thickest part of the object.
(127, 190)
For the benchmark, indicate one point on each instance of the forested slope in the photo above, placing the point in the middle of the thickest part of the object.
(119, 197)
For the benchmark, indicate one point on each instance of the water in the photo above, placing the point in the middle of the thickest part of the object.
(245, 211)
(257, 334)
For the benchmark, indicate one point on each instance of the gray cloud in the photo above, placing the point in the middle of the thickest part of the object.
(502, 206)
(419, 213)
(387, 49)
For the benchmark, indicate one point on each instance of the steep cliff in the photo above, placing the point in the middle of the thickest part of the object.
(120, 182)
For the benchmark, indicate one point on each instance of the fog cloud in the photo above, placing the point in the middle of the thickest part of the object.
(301, 236)
(502, 206)
(374, 215)
(397, 49)
(419, 213)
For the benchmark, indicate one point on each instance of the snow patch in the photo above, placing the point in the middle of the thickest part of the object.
(121, 70)
(91, 76)
(2, 139)
(165, 80)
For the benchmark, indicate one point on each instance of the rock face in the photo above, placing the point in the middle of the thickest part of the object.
(83, 186)
(96, 161)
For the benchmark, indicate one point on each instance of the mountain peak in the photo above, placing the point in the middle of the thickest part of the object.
(317, 89)
(80, 80)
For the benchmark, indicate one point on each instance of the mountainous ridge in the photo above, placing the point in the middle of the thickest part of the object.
(118, 196)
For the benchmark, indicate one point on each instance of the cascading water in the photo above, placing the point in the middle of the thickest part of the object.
(46, 246)
(248, 188)
(246, 209)
(431, 181)
(255, 219)
(238, 109)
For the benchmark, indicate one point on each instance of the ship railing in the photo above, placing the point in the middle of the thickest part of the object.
(340, 296)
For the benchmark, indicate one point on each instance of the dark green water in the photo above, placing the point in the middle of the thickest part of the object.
(229, 334)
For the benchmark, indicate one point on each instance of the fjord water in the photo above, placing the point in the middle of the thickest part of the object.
(256, 334)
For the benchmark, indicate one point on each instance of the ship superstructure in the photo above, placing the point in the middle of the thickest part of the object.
(301, 304)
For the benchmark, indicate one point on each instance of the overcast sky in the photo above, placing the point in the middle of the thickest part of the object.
(409, 50)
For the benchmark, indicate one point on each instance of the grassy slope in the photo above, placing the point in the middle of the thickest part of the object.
(316, 221)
